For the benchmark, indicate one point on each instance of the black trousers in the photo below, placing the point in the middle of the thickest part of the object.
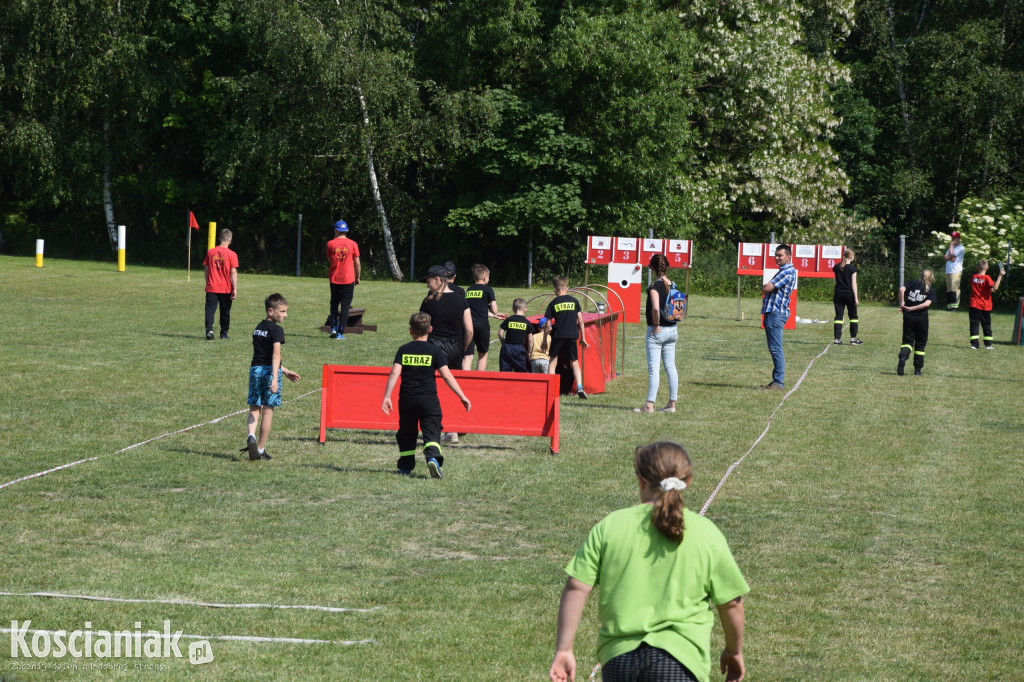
(452, 347)
(982, 318)
(915, 338)
(841, 302)
(416, 415)
(224, 300)
(646, 664)
(341, 297)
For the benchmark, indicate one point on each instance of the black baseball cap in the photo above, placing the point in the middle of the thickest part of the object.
(435, 271)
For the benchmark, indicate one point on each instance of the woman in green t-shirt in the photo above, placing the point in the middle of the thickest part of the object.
(658, 564)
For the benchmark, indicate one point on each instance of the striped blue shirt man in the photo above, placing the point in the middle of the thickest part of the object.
(775, 309)
(777, 300)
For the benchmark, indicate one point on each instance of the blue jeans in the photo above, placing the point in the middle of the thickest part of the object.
(661, 350)
(773, 323)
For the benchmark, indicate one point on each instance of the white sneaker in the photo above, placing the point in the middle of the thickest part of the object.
(449, 438)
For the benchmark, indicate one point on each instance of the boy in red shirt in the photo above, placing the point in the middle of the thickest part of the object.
(345, 269)
(221, 266)
(981, 303)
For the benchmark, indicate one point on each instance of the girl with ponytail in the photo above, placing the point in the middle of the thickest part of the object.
(658, 564)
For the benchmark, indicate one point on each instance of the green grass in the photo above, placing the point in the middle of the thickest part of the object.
(879, 522)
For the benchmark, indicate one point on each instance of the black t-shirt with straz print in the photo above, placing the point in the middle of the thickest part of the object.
(478, 298)
(517, 329)
(266, 334)
(916, 295)
(419, 361)
(562, 311)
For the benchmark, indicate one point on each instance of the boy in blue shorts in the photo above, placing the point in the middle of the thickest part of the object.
(265, 375)
(516, 334)
(418, 405)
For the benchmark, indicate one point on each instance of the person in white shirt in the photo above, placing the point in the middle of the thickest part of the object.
(954, 258)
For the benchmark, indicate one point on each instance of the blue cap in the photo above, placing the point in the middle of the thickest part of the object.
(542, 321)
(341, 226)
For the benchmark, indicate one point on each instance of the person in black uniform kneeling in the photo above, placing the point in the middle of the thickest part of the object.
(418, 406)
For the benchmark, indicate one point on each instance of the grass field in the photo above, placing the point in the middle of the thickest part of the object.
(880, 522)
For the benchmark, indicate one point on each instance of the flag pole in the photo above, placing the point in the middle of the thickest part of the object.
(188, 229)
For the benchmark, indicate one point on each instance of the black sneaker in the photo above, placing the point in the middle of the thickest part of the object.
(403, 472)
(223, 336)
(917, 372)
(839, 342)
(580, 393)
(209, 335)
(265, 455)
(900, 366)
(856, 342)
(250, 445)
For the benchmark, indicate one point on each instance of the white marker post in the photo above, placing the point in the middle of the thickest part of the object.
(120, 248)
(39, 253)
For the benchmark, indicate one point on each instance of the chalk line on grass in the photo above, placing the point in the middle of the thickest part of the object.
(184, 602)
(778, 407)
(48, 471)
(153, 634)
(150, 440)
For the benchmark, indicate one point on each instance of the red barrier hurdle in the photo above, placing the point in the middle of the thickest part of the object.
(502, 402)
(597, 363)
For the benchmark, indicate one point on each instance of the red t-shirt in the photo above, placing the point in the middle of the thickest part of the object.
(219, 262)
(981, 292)
(340, 252)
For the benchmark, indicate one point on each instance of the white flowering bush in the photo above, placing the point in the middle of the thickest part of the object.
(986, 226)
(768, 112)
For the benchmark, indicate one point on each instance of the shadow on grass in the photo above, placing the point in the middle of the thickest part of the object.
(363, 470)
(197, 337)
(710, 384)
(360, 440)
(215, 455)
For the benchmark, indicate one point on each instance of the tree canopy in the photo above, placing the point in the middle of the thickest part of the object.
(488, 123)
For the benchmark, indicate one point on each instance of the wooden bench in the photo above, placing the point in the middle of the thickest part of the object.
(355, 323)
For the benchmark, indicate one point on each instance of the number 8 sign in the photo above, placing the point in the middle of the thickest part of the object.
(804, 257)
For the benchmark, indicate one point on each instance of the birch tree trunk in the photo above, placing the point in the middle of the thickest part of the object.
(108, 199)
(389, 245)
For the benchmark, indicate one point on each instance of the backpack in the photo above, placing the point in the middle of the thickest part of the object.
(674, 306)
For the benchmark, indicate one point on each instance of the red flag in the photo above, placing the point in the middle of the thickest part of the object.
(192, 221)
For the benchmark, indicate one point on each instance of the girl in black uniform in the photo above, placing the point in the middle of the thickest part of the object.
(915, 299)
(450, 316)
(846, 297)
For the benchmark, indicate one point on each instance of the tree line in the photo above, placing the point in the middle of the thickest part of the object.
(506, 127)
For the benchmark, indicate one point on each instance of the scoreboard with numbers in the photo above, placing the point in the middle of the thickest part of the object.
(810, 260)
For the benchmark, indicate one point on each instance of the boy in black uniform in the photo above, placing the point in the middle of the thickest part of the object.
(516, 334)
(482, 307)
(915, 299)
(418, 405)
(265, 372)
(565, 314)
